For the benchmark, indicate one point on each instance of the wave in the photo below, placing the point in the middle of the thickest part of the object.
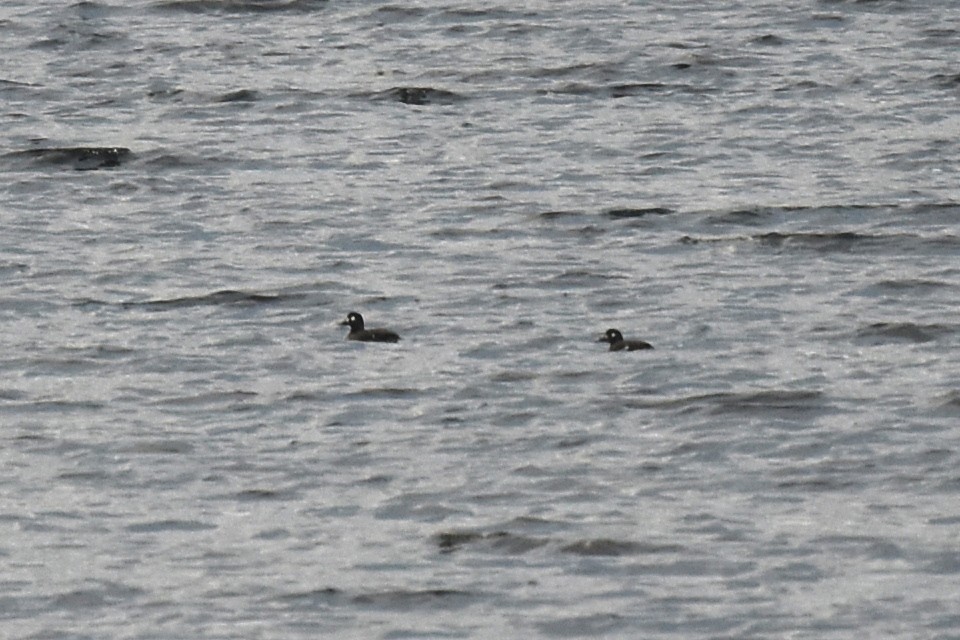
(949, 404)
(773, 401)
(623, 89)
(761, 214)
(947, 80)
(828, 242)
(224, 297)
(385, 598)
(417, 96)
(884, 332)
(910, 285)
(239, 95)
(931, 213)
(161, 526)
(409, 598)
(637, 212)
(241, 6)
(78, 158)
(613, 213)
(500, 541)
(778, 239)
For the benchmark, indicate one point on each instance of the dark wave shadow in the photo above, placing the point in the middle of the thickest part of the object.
(765, 214)
(511, 543)
(637, 212)
(239, 95)
(227, 297)
(949, 404)
(390, 599)
(886, 332)
(837, 241)
(768, 402)
(162, 526)
(499, 541)
(825, 242)
(417, 96)
(77, 158)
(624, 89)
(241, 6)
(947, 80)
(594, 625)
(415, 598)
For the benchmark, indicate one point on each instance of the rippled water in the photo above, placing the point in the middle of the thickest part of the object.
(196, 192)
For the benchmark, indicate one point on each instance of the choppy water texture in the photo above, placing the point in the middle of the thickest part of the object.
(195, 192)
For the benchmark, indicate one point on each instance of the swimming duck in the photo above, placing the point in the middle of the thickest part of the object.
(357, 332)
(617, 343)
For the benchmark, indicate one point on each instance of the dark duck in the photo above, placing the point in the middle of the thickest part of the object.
(357, 332)
(617, 343)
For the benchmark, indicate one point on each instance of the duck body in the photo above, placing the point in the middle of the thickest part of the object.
(357, 332)
(617, 343)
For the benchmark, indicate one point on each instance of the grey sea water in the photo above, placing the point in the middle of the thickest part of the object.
(193, 193)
